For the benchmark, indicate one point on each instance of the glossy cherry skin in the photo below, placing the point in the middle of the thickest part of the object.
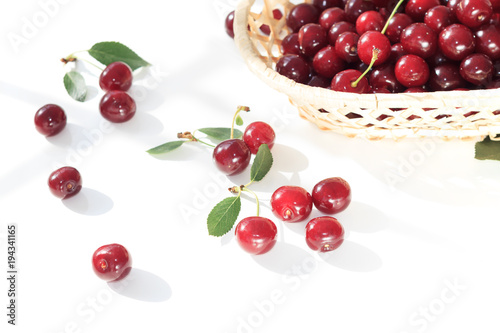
(290, 44)
(330, 16)
(396, 25)
(111, 262)
(438, 18)
(477, 69)
(50, 119)
(291, 203)
(65, 182)
(411, 71)
(300, 15)
(331, 195)
(325, 4)
(319, 81)
(354, 8)
(488, 41)
(419, 39)
(294, 67)
(383, 76)
(256, 235)
(116, 76)
(456, 41)
(343, 81)
(312, 38)
(232, 156)
(370, 20)
(337, 28)
(416, 9)
(117, 106)
(324, 234)
(371, 40)
(229, 24)
(258, 133)
(327, 63)
(446, 76)
(474, 13)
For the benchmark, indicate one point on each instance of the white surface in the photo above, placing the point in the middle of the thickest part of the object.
(424, 215)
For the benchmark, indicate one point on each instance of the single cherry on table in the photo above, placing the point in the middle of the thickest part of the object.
(324, 234)
(256, 235)
(116, 76)
(232, 156)
(65, 182)
(331, 195)
(50, 119)
(291, 203)
(111, 262)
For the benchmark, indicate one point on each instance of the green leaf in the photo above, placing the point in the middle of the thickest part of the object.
(166, 147)
(220, 133)
(239, 120)
(108, 52)
(75, 86)
(223, 216)
(261, 164)
(488, 150)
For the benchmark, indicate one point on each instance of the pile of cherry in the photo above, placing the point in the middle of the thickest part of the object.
(386, 46)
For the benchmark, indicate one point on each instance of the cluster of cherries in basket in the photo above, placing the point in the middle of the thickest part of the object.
(116, 106)
(383, 46)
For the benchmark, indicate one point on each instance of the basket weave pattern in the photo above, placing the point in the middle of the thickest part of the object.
(467, 115)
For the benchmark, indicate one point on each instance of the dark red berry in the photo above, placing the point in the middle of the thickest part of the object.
(50, 119)
(330, 16)
(456, 41)
(331, 195)
(354, 8)
(439, 17)
(300, 15)
(416, 9)
(346, 46)
(229, 23)
(231, 156)
(112, 262)
(65, 182)
(383, 77)
(419, 39)
(290, 44)
(325, 4)
(256, 235)
(324, 234)
(258, 133)
(345, 81)
(488, 41)
(446, 76)
(474, 13)
(337, 28)
(116, 76)
(117, 106)
(294, 67)
(477, 69)
(312, 38)
(370, 20)
(411, 71)
(327, 63)
(396, 25)
(370, 41)
(291, 203)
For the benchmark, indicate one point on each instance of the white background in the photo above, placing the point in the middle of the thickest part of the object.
(421, 249)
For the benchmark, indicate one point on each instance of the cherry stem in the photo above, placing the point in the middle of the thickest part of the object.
(391, 16)
(374, 58)
(190, 136)
(238, 110)
(256, 198)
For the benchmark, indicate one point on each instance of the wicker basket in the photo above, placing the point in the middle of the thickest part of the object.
(467, 115)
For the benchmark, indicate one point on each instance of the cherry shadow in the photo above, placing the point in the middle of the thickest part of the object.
(142, 286)
(89, 202)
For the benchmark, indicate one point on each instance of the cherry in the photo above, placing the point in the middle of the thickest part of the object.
(419, 39)
(300, 15)
(456, 41)
(319, 81)
(446, 76)
(345, 81)
(330, 16)
(439, 17)
(397, 51)
(396, 25)
(474, 13)
(65, 182)
(116, 76)
(371, 40)
(411, 71)
(324, 234)
(331, 195)
(256, 235)
(290, 44)
(231, 156)
(416, 9)
(337, 28)
(294, 67)
(346, 46)
(291, 203)
(312, 38)
(354, 8)
(111, 262)
(50, 119)
(488, 41)
(258, 133)
(477, 69)
(229, 24)
(383, 77)
(325, 4)
(370, 20)
(327, 63)
(117, 106)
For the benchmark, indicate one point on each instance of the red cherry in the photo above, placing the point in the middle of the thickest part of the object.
(474, 13)
(294, 67)
(344, 80)
(231, 156)
(300, 15)
(396, 25)
(371, 40)
(416, 9)
(370, 20)
(290, 44)
(312, 38)
(456, 41)
(331, 195)
(439, 17)
(116, 76)
(477, 69)
(65, 182)
(411, 71)
(346, 46)
(112, 262)
(256, 235)
(419, 39)
(291, 203)
(337, 28)
(229, 23)
(330, 16)
(488, 41)
(324, 234)
(258, 133)
(446, 76)
(50, 119)
(327, 63)
(117, 106)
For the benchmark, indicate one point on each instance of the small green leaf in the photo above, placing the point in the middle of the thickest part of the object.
(75, 86)
(488, 150)
(223, 216)
(261, 164)
(220, 133)
(166, 147)
(108, 52)
(239, 120)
